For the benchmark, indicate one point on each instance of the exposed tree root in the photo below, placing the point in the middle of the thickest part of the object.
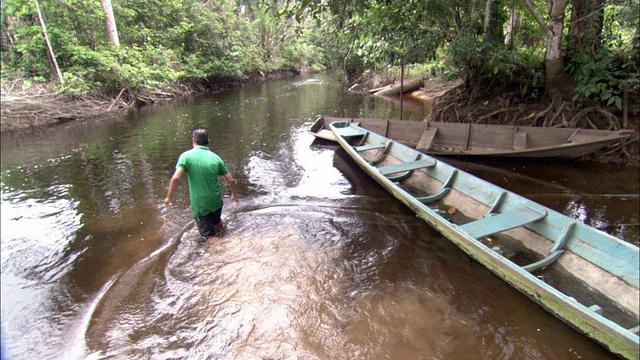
(37, 106)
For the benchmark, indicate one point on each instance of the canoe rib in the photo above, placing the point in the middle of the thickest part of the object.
(555, 252)
(446, 186)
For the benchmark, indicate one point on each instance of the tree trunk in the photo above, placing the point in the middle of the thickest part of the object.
(344, 65)
(556, 78)
(401, 87)
(11, 35)
(112, 30)
(487, 20)
(636, 39)
(559, 85)
(512, 29)
(52, 57)
(585, 30)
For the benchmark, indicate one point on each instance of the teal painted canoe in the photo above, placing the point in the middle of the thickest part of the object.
(462, 139)
(585, 277)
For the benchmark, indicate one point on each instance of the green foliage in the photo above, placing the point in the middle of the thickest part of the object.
(161, 42)
(602, 78)
(168, 41)
(473, 58)
(621, 23)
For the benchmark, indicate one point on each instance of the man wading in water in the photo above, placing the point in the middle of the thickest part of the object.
(203, 167)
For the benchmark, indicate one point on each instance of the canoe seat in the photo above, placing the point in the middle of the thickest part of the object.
(426, 140)
(446, 186)
(515, 217)
(370, 147)
(349, 132)
(408, 166)
(520, 140)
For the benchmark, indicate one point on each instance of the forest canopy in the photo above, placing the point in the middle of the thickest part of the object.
(568, 55)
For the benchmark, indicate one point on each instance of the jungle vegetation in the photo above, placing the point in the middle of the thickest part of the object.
(552, 63)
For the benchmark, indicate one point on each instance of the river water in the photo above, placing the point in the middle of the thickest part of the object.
(318, 262)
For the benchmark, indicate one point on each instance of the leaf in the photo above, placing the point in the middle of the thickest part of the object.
(618, 103)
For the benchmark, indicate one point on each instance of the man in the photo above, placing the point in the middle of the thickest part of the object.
(203, 167)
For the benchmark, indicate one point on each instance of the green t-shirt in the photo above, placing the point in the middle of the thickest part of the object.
(203, 167)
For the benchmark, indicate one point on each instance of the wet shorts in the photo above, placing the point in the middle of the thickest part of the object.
(207, 224)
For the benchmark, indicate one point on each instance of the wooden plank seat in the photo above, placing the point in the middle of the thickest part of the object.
(370, 147)
(520, 141)
(517, 216)
(407, 166)
(349, 132)
(426, 140)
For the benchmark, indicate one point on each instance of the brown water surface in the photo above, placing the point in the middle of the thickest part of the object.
(319, 262)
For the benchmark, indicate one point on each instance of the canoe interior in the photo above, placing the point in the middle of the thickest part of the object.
(438, 138)
(591, 282)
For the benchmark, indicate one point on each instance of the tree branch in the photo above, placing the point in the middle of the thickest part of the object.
(547, 30)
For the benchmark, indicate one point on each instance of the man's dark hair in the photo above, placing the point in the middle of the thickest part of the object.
(200, 136)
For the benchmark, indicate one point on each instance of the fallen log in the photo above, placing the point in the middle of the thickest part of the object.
(409, 85)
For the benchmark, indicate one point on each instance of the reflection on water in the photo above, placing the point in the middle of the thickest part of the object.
(319, 262)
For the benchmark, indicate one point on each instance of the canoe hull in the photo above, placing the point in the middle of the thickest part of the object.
(615, 337)
(458, 139)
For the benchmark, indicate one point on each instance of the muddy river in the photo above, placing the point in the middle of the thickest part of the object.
(318, 262)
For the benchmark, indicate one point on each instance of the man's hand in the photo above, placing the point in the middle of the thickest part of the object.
(172, 185)
(232, 185)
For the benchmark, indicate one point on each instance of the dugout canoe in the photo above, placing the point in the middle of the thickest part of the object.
(583, 276)
(462, 139)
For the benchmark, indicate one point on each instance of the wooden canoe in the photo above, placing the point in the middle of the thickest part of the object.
(460, 139)
(585, 277)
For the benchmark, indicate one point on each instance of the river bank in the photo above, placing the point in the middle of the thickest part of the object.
(27, 106)
(31, 106)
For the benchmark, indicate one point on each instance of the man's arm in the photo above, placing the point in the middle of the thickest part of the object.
(175, 179)
(232, 185)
